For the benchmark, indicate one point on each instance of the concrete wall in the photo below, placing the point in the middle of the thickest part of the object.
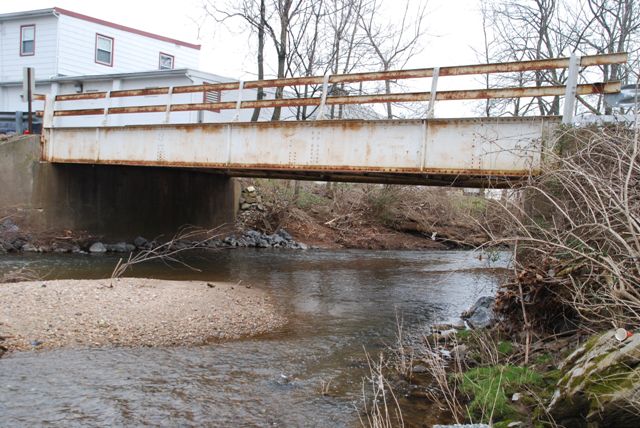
(118, 202)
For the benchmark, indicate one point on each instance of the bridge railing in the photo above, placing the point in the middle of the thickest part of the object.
(570, 90)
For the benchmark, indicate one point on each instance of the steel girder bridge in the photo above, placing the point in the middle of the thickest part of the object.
(469, 152)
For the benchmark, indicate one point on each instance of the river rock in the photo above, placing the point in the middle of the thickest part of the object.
(284, 235)
(121, 247)
(601, 387)
(141, 243)
(8, 226)
(97, 247)
(29, 248)
(462, 426)
(481, 314)
(18, 243)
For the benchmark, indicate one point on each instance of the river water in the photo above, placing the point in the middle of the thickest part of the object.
(339, 303)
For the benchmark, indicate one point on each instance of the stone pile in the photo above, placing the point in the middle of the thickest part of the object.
(254, 239)
(12, 239)
(250, 200)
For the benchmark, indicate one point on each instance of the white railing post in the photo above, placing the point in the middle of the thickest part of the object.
(167, 112)
(323, 97)
(434, 91)
(49, 108)
(570, 89)
(47, 126)
(107, 104)
(236, 117)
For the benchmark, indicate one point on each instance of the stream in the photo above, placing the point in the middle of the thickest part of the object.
(339, 303)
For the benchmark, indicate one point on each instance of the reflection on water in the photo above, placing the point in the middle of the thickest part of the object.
(337, 301)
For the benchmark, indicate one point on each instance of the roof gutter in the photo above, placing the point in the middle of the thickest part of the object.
(28, 14)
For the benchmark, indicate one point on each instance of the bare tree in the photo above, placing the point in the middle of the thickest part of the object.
(528, 30)
(270, 18)
(254, 14)
(610, 26)
(305, 58)
(393, 43)
(261, 24)
(518, 30)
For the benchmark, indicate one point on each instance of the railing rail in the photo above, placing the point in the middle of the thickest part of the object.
(570, 90)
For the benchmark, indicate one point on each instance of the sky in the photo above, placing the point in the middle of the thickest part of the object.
(453, 28)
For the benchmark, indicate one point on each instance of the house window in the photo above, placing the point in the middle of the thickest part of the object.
(166, 61)
(27, 40)
(104, 50)
(211, 97)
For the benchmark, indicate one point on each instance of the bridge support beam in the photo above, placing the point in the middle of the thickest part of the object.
(118, 202)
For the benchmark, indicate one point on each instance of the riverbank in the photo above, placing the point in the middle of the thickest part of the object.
(131, 312)
(277, 214)
(369, 216)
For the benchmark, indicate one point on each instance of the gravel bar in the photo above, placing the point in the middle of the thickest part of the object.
(130, 312)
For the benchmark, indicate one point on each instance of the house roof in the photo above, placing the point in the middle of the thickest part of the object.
(144, 75)
(187, 72)
(60, 11)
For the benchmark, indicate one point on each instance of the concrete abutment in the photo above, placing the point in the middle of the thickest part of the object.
(117, 202)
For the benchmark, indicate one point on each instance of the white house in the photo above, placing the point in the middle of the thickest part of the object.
(75, 53)
(58, 42)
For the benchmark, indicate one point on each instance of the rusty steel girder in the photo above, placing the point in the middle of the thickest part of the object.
(396, 150)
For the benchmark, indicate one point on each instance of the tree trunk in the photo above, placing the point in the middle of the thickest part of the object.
(282, 53)
(260, 94)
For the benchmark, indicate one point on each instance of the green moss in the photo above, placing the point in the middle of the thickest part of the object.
(505, 348)
(543, 359)
(552, 376)
(589, 344)
(615, 378)
(491, 388)
(463, 334)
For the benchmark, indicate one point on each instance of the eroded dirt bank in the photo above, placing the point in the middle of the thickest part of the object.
(130, 312)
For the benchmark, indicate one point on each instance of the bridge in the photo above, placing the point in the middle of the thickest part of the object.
(477, 152)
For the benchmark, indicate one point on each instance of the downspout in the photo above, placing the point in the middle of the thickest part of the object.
(1, 50)
(56, 71)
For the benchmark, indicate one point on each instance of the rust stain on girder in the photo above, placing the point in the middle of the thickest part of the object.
(308, 168)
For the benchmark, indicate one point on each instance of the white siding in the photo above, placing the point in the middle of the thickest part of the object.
(132, 52)
(11, 100)
(44, 59)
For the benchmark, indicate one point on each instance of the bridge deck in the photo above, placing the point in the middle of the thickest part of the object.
(463, 152)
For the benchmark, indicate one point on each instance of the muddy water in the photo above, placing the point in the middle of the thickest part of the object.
(338, 302)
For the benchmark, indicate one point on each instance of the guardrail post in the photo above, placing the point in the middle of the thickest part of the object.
(167, 112)
(49, 107)
(236, 117)
(323, 97)
(570, 89)
(434, 91)
(107, 103)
